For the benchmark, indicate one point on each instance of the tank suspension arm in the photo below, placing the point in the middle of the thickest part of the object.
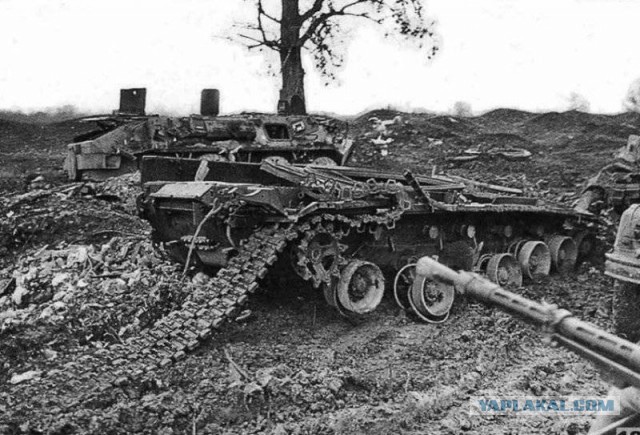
(618, 356)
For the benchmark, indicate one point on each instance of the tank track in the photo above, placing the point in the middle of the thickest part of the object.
(87, 376)
(208, 307)
(337, 226)
(172, 336)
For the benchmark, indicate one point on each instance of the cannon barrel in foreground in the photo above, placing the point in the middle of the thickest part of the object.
(619, 358)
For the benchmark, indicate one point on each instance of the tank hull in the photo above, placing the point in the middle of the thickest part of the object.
(339, 214)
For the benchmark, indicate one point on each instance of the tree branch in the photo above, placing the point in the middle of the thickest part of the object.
(324, 17)
(271, 43)
(262, 11)
(317, 5)
(274, 45)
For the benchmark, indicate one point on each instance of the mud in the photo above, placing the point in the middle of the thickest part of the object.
(292, 366)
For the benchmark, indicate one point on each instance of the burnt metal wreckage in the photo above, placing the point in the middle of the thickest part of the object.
(123, 137)
(348, 230)
(616, 188)
(616, 185)
(344, 230)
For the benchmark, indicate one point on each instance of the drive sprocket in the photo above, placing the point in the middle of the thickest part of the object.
(317, 257)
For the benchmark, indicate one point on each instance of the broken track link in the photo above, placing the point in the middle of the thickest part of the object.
(210, 305)
(89, 375)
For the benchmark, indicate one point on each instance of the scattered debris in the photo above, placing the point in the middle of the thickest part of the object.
(331, 377)
(24, 377)
(476, 153)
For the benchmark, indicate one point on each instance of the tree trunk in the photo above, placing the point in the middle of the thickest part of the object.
(292, 99)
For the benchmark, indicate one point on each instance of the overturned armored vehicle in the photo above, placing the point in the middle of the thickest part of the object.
(348, 230)
(122, 138)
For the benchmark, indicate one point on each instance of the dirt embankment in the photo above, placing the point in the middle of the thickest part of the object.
(78, 272)
(28, 150)
(566, 148)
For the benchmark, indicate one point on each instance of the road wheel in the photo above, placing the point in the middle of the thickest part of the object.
(626, 310)
(535, 259)
(360, 287)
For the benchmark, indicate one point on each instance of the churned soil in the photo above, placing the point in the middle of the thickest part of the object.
(91, 277)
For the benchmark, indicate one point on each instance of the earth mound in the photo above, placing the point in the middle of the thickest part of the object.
(79, 272)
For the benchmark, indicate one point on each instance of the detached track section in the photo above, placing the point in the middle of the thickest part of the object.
(87, 376)
(209, 306)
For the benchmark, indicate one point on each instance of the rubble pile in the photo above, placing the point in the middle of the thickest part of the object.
(79, 278)
(122, 190)
(76, 262)
(74, 213)
(99, 292)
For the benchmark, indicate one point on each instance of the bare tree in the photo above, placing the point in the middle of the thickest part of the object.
(462, 109)
(632, 99)
(578, 102)
(291, 27)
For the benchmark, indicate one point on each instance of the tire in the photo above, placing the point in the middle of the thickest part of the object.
(626, 310)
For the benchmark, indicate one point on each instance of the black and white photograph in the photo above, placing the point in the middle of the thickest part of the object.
(333, 217)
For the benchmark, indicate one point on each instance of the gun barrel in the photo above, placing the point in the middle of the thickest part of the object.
(562, 322)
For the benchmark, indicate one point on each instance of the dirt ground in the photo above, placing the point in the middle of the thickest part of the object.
(92, 278)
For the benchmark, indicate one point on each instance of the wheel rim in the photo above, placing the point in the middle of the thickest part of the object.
(431, 301)
(564, 253)
(503, 269)
(402, 284)
(361, 287)
(535, 259)
(516, 247)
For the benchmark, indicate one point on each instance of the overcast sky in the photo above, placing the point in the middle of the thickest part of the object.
(528, 54)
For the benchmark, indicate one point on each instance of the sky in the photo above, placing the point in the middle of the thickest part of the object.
(526, 54)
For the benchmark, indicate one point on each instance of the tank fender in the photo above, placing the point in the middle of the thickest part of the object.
(188, 191)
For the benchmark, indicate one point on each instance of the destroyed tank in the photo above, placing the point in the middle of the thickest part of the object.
(617, 185)
(352, 232)
(124, 137)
